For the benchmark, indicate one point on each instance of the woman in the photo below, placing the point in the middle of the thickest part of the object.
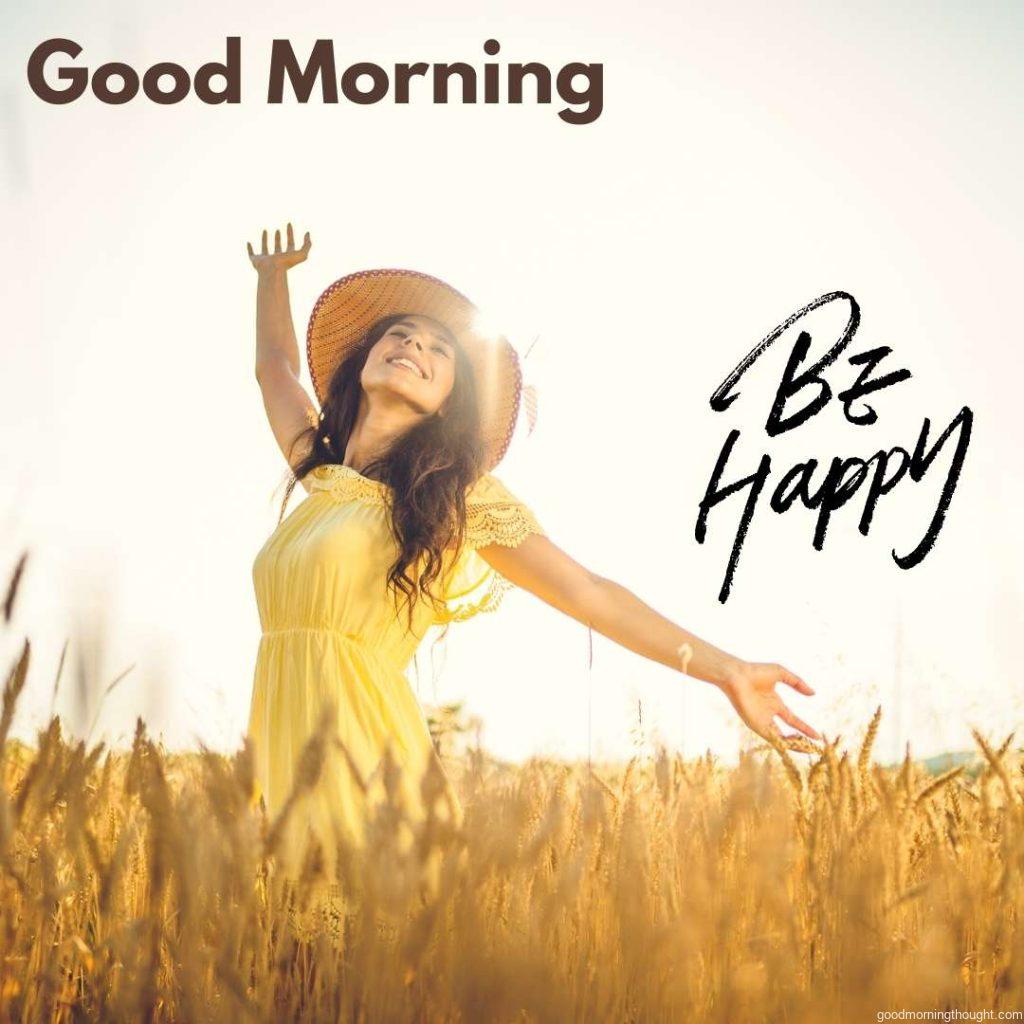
(404, 527)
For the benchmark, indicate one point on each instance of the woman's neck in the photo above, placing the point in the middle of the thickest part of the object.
(376, 429)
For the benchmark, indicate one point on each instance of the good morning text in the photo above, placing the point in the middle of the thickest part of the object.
(56, 75)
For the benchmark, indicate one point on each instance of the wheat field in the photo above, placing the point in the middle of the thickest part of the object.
(143, 886)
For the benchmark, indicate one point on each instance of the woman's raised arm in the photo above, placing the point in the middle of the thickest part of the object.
(539, 566)
(289, 408)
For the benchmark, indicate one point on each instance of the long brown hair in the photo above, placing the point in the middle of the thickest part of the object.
(428, 469)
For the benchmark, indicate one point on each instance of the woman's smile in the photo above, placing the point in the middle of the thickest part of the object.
(410, 364)
(413, 361)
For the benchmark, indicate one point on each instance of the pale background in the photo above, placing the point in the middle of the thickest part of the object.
(747, 160)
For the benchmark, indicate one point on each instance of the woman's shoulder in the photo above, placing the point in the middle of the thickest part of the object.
(494, 514)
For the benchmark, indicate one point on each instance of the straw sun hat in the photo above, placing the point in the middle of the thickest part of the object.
(347, 308)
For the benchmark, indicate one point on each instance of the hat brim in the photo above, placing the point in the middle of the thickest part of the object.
(347, 309)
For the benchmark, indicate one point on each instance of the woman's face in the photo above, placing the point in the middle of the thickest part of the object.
(414, 361)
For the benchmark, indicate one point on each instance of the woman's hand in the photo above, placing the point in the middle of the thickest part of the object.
(278, 260)
(750, 686)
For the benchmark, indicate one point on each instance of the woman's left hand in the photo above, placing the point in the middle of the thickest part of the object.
(750, 688)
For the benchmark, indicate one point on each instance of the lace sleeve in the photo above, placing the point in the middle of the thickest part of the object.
(493, 516)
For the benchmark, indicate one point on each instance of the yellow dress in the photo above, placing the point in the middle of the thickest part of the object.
(333, 643)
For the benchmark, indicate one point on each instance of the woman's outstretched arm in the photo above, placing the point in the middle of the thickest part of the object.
(539, 566)
(289, 408)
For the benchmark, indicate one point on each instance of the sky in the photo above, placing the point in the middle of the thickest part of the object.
(745, 162)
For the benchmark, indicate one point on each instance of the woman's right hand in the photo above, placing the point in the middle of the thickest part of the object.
(278, 259)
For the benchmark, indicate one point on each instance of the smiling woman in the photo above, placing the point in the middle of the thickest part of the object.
(404, 528)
